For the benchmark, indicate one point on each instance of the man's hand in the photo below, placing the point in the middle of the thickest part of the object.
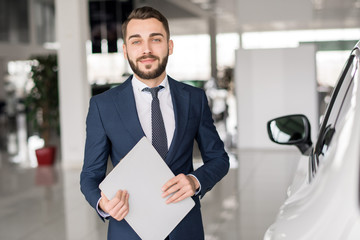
(118, 207)
(182, 186)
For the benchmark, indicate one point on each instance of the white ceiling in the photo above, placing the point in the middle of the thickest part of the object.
(191, 16)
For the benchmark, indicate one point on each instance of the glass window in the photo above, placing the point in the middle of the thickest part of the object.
(45, 21)
(338, 107)
(4, 21)
(341, 96)
(14, 21)
(21, 10)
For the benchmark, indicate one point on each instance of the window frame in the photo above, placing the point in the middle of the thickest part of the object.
(325, 129)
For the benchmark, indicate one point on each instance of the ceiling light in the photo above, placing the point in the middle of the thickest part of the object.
(318, 4)
(357, 4)
(200, 1)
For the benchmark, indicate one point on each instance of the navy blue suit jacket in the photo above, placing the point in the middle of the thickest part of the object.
(113, 128)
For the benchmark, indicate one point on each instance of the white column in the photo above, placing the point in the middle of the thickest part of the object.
(72, 33)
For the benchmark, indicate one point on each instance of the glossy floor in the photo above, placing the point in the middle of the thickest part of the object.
(46, 202)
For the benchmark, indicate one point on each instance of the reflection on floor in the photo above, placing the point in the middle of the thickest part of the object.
(46, 203)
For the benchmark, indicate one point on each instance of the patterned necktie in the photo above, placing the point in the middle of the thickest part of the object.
(159, 139)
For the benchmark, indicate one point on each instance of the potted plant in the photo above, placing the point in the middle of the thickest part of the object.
(42, 103)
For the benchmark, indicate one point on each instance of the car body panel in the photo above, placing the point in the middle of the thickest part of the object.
(327, 205)
(301, 177)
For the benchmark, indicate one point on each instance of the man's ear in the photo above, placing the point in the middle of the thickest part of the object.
(171, 47)
(125, 51)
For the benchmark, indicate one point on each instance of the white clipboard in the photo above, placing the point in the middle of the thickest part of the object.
(142, 172)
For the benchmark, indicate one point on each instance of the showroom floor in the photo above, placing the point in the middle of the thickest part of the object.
(46, 202)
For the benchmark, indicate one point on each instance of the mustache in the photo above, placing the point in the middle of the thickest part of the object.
(147, 57)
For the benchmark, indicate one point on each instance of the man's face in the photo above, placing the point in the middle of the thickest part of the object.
(147, 48)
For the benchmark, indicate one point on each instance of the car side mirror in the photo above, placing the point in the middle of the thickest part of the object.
(291, 130)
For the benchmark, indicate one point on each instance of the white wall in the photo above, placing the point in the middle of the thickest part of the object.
(272, 83)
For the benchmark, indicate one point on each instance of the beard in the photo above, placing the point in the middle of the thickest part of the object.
(152, 74)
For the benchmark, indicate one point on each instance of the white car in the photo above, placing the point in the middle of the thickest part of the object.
(324, 199)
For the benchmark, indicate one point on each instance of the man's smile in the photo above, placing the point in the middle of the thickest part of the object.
(147, 59)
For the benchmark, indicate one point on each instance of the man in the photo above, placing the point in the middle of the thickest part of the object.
(120, 117)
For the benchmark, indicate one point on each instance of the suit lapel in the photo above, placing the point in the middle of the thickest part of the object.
(181, 101)
(124, 101)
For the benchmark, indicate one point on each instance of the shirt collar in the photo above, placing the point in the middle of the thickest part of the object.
(139, 86)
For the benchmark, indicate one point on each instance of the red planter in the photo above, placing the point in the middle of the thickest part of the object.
(45, 156)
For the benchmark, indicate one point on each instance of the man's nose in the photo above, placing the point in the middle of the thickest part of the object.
(147, 48)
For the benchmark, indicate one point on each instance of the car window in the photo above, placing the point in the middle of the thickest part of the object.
(336, 111)
(337, 115)
(341, 102)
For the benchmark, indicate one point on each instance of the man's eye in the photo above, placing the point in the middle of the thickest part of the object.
(135, 42)
(156, 40)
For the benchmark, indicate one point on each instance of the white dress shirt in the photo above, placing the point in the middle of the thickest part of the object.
(143, 101)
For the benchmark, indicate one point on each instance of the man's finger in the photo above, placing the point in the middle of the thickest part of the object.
(182, 197)
(177, 197)
(123, 215)
(180, 179)
(105, 199)
(122, 208)
(174, 197)
(119, 200)
(125, 204)
(115, 200)
(123, 196)
(169, 183)
(171, 190)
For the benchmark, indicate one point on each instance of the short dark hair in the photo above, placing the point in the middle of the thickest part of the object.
(145, 13)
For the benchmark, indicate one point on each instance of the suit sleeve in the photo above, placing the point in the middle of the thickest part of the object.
(216, 160)
(96, 155)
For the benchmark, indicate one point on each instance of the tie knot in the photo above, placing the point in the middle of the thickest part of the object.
(154, 91)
